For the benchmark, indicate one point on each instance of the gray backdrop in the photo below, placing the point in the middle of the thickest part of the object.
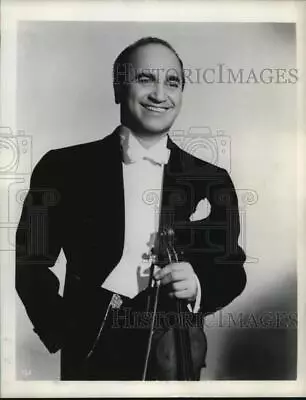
(65, 97)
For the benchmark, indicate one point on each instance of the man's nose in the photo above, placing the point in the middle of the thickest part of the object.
(158, 94)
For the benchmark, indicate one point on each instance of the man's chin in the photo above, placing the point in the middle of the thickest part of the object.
(148, 129)
(151, 130)
(145, 126)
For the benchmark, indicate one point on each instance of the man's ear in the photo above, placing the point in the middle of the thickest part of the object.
(118, 93)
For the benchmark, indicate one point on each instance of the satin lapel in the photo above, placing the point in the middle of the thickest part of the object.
(175, 193)
(178, 198)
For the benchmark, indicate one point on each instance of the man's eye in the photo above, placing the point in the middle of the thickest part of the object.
(174, 84)
(144, 79)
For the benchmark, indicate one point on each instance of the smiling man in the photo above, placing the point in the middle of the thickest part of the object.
(151, 96)
(109, 205)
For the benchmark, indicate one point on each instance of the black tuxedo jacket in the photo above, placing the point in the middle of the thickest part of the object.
(76, 203)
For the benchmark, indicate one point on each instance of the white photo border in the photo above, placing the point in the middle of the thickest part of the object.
(229, 11)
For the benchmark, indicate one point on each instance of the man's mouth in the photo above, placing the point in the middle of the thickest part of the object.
(155, 108)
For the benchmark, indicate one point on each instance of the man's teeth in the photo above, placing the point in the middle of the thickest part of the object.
(157, 109)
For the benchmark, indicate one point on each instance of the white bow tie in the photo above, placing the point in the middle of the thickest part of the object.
(133, 151)
(158, 156)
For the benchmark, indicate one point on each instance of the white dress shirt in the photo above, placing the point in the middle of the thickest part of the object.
(143, 179)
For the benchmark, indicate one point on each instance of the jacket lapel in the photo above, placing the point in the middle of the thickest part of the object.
(176, 192)
(111, 194)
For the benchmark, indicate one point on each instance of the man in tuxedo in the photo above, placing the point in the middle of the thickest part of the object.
(106, 204)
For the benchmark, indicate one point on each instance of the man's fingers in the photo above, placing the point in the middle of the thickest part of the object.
(172, 272)
(180, 279)
(183, 290)
(161, 273)
(173, 277)
(178, 286)
(181, 294)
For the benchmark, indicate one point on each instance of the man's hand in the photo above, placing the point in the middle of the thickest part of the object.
(181, 280)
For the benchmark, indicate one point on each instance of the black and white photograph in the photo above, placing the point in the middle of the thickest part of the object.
(152, 201)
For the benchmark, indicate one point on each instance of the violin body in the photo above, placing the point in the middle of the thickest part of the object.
(167, 355)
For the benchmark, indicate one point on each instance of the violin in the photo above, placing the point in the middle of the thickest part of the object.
(175, 352)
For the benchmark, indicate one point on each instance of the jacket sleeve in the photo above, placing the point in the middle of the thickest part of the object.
(214, 252)
(38, 244)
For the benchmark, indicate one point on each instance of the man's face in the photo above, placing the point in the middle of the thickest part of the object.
(152, 98)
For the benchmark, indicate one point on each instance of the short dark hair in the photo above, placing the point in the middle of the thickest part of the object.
(123, 58)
